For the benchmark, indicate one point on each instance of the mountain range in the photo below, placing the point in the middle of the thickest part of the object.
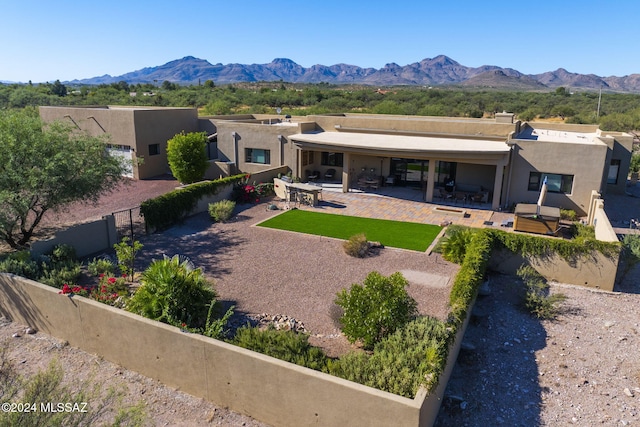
(437, 71)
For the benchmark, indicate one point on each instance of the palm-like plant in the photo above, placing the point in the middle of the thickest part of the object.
(173, 291)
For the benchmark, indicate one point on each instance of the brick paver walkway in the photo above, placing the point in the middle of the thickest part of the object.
(386, 207)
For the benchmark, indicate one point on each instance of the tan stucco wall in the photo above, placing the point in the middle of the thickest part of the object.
(584, 161)
(419, 124)
(265, 388)
(593, 270)
(103, 236)
(620, 147)
(255, 135)
(135, 127)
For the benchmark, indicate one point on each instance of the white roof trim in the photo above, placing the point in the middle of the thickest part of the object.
(417, 144)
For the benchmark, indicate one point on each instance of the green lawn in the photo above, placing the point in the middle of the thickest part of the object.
(397, 234)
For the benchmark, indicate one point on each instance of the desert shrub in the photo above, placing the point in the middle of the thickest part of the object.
(98, 266)
(412, 356)
(21, 264)
(60, 274)
(46, 389)
(357, 246)
(455, 242)
(222, 210)
(538, 301)
(174, 292)
(126, 254)
(568, 214)
(376, 308)
(216, 326)
(285, 345)
(63, 254)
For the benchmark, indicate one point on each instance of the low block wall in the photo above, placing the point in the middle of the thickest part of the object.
(268, 389)
(103, 236)
(593, 270)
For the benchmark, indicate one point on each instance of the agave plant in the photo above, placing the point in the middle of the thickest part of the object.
(173, 291)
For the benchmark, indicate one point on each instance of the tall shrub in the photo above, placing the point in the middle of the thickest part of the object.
(376, 308)
(187, 156)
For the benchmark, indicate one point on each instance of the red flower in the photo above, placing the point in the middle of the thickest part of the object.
(101, 275)
(112, 280)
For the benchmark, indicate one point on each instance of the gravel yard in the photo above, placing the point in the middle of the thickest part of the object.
(581, 369)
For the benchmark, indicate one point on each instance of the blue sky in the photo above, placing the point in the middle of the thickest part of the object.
(45, 40)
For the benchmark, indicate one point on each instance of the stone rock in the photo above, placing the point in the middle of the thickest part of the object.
(628, 392)
(31, 331)
(17, 335)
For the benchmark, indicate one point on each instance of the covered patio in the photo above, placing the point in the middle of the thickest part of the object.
(476, 165)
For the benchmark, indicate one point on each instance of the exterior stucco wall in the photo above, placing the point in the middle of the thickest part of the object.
(135, 127)
(255, 135)
(593, 270)
(620, 146)
(584, 161)
(157, 126)
(383, 122)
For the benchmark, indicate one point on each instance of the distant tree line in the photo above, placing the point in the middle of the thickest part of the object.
(616, 111)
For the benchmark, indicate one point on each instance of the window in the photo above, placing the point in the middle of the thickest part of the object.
(614, 168)
(332, 159)
(307, 158)
(257, 155)
(556, 183)
(154, 149)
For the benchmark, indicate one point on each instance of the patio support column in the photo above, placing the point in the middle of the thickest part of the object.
(431, 179)
(346, 164)
(497, 185)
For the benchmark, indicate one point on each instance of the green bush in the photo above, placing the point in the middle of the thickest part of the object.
(413, 356)
(21, 264)
(174, 292)
(376, 308)
(60, 267)
(455, 242)
(568, 214)
(60, 275)
(221, 211)
(470, 276)
(98, 266)
(285, 345)
(170, 208)
(187, 156)
(538, 301)
(357, 246)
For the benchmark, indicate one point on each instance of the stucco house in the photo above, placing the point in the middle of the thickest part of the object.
(503, 160)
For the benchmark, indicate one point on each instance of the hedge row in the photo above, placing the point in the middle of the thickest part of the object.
(170, 208)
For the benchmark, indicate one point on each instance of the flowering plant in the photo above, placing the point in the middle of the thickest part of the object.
(109, 290)
(244, 192)
(74, 290)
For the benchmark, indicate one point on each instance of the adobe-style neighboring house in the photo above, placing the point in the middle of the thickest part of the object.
(500, 161)
(139, 134)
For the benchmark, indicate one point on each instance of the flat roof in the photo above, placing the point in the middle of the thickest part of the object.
(552, 135)
(367, 141)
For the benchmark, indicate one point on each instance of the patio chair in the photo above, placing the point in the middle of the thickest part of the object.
(330, 174)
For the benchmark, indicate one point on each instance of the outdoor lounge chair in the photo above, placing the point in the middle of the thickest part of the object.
(330, 174)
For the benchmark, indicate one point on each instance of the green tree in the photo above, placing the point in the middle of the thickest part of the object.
(58, 88)
(187, 156)
(47, 167)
